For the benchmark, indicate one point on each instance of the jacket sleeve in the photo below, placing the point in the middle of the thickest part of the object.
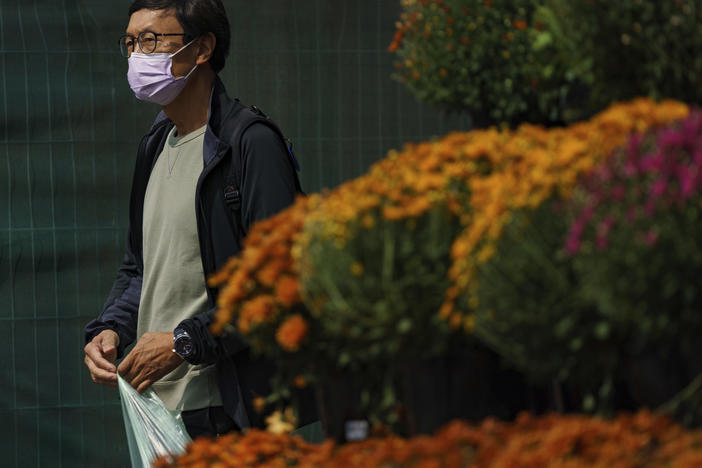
(208, 348)
(268, 186)
(122, 306)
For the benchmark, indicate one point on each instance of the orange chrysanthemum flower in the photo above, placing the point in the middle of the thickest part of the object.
(291, 333)
(641, 440)
(256, 311)
(287, 291)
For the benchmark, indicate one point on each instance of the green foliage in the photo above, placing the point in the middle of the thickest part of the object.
(376, 298)
(601, 291)
(649, 296)
(494, 59)
(378, 294)
(532, 313)
(626, 49)
(547, 61)
(652, 290)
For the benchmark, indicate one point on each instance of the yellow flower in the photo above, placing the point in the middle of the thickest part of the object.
(486, 253)
(357, 269)
(455, 320)
(259, 404)
(368, 221)
(281, 422)
(473, 302)
(445, 310)
(469, 323)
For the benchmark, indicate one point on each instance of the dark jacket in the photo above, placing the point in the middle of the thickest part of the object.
(268, 184)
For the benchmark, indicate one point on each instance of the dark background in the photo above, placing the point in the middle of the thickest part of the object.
(69, 126)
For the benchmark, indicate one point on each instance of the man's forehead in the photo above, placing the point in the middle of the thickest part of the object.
(151, 20)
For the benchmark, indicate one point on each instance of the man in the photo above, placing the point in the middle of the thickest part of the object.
(206, 170)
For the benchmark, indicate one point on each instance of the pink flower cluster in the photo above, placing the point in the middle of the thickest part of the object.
(657, 172)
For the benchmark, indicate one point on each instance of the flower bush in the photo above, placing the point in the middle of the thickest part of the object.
(260, 299)
(256, 448)
(373, 262)
(621, 50)
(388, 263)
(636, 440)
(529, 166)
(635, 252)
(479, 56)
(530, 309)
(480, 176)
(613, 269)
(546, 61)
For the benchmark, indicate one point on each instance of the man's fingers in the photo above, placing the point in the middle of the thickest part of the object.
(100, 357)
(95, 354)
(108, 344)
(98, 372)
(143, 386)
(99, 375)
(110, 352)
(137, 381)
(125, 367)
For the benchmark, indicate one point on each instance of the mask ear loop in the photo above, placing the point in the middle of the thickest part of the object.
(189, 73)
(193, 69)
(186, 45)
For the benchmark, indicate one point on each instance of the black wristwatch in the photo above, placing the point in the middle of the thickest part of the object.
(183, 344)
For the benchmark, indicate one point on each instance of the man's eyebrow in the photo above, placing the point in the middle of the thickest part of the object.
(135, 34)
(147, 27)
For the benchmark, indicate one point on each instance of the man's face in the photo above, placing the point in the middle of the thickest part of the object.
(164, 22)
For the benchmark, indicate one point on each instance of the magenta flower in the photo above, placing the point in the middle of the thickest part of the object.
(618, 193)
(603, 230)
(687, 177)
(658, 188)
(671, 138)
(654, 163)
(651, 237)
(601, 241)
(654, 174)
(631, 214)
(572, 245)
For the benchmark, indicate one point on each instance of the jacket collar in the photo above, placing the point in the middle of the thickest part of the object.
(219, 108)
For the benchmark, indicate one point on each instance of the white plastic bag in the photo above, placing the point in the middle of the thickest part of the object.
(152, 430)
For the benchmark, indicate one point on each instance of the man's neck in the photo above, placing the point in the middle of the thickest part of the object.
(190, 109)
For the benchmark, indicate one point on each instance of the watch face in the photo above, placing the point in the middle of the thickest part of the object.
(184, 347)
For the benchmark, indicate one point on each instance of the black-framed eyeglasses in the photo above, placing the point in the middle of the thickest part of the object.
(147, 40)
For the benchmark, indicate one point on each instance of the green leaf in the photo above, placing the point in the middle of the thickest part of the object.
(576, 344)
(602, 330)
(404, 325)
(344, 358)
(542, 41)
(589, 403)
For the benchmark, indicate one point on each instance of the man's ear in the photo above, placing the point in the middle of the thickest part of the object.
(206, 48)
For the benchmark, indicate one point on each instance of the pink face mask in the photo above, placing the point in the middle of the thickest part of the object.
(151, 79)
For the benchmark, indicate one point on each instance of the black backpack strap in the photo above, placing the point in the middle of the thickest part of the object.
(233, 177)
(286, 142)
(232, 193)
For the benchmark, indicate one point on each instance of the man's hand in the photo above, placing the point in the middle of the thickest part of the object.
(100, 357)
(151, 359)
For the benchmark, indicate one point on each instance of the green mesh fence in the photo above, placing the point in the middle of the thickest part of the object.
(69, 126)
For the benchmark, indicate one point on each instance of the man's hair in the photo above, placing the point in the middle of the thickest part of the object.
(197, 17)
